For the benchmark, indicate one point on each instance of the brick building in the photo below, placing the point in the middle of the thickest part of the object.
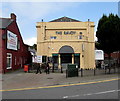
(65, 40)
(13, 52)
(115, 57)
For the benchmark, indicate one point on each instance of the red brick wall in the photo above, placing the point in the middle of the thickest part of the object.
(20, 53)
(114, 55)
(1, 51)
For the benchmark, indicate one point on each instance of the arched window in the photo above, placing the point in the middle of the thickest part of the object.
(66, 49)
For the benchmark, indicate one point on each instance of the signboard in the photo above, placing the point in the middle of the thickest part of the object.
(54, 54)
(99, 55)
(39, 59)
(11, 41)
(66, 32)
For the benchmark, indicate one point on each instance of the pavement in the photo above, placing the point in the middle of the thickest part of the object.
(19, 79)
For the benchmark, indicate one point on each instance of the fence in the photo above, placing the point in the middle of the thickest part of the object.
(85, 72)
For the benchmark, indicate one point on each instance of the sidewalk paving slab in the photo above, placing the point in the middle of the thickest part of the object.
(20, 79)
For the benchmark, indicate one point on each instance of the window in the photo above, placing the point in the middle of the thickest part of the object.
(21, 61)
(53, 37)
(44, 58)
(15, 60)
(18, 44)
(55, 59)
(66, 58)
(9, 60)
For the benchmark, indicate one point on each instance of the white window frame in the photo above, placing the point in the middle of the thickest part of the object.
(10, 60)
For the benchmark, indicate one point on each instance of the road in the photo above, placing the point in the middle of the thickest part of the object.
(95, 90)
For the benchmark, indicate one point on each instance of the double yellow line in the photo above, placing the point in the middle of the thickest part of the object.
(61, 85)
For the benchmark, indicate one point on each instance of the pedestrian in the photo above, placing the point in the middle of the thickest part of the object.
(99, 65)
(102, 65)
(47, 68)
(38, 68)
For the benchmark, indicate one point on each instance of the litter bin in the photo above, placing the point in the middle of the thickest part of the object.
(26, 68)
(71, 71)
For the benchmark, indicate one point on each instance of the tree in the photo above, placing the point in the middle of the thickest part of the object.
(34, 47)
(97, 45)
(108, 33)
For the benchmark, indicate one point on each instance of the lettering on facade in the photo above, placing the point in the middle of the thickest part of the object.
(59, 32)
(66, 32)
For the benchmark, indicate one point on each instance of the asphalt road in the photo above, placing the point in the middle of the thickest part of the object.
(98, 90)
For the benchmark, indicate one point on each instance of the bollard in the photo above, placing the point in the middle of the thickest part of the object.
(114, 70)
(81, 72)
(53, 68)
(94, 72)
(109, 70)
(61, 70)
(105, 70)
(66, 73)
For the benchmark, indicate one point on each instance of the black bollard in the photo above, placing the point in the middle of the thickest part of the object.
(105, 70)
(53, 68)
(66, 73)
(114, 70)
(61, 70)
(81, 72)
(109, 70)
(94, 72)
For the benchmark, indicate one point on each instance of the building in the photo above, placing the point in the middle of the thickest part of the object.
(33, 53)
(65, 40)
(114, 58)
(13, 52)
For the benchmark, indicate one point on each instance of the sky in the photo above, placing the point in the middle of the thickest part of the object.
(28, 13)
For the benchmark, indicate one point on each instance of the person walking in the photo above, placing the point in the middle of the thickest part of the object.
(38, 69)
(99, 65)
(47, 68)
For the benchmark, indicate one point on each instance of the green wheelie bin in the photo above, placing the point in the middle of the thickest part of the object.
(72, 70)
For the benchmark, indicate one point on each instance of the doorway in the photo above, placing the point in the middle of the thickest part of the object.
(77, 59)
(66, 58)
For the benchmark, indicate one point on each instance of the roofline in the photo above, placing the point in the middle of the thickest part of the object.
(63, 17)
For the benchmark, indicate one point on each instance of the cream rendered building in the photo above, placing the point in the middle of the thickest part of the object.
(67, 40)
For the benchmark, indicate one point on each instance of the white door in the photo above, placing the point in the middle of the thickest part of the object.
(9, 60)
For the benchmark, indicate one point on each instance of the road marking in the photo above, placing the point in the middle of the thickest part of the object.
(103, 92)
(62, 85)
(111, 91)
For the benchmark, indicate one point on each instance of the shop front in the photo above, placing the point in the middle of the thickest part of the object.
(66, 56)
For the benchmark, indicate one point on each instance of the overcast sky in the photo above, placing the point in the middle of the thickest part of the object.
(28, 13)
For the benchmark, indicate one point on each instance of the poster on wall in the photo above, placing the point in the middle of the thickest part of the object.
(11, 41)
(39, 59)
